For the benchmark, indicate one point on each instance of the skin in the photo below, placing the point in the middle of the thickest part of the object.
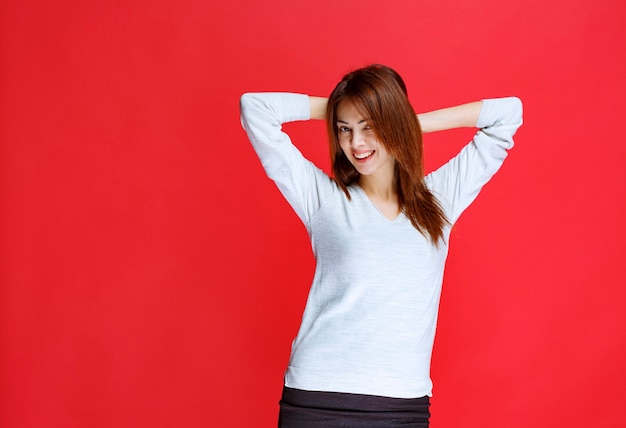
(377, 170)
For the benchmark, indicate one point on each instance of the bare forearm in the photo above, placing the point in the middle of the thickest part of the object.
(318, 107)
(461, 116)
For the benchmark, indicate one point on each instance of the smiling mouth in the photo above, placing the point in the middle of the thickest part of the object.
(363, 156)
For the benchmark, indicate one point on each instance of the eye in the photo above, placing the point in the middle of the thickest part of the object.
(343, 129)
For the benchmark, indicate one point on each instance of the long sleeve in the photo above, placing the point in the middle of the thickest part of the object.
(303, 184)
(457, 183)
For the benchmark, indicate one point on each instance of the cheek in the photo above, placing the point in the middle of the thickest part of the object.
(345, 146)
(379, 146)
(382, 152)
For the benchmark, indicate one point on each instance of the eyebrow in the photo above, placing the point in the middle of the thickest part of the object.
(358, 123)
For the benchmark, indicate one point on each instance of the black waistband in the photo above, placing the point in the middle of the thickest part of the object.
(353, 402)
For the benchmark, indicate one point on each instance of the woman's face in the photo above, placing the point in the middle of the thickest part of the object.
(359, 143)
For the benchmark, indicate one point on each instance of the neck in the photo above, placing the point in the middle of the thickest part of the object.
(380, 188)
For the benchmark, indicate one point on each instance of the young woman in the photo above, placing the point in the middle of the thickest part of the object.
(379, 231)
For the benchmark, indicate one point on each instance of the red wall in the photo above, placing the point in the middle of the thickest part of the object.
(150, 275)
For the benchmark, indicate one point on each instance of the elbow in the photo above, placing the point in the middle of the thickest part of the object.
(511, 113)
(245, 101)
(517, 108)
(250, 99)
(248, 103)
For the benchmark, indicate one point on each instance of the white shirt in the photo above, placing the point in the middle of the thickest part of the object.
(370, 318)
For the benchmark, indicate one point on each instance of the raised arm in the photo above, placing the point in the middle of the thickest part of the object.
(461, 116)
(459, 181)
(262, 116)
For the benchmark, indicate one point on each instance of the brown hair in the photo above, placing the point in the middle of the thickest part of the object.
(380, 94)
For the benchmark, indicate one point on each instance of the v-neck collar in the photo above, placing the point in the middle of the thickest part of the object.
(380, 213)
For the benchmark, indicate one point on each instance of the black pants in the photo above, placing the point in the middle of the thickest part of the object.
(312, 409)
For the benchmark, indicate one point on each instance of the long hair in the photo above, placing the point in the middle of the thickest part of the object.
(379, 93)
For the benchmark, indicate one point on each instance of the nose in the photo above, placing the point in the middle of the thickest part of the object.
(357, 139)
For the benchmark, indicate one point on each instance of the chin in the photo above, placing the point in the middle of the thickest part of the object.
(365, 172)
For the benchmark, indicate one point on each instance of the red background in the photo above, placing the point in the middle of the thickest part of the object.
(152, 276)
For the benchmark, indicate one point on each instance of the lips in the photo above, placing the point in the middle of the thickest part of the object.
(363, 156)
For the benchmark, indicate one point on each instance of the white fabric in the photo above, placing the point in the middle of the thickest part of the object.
(370, 317)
